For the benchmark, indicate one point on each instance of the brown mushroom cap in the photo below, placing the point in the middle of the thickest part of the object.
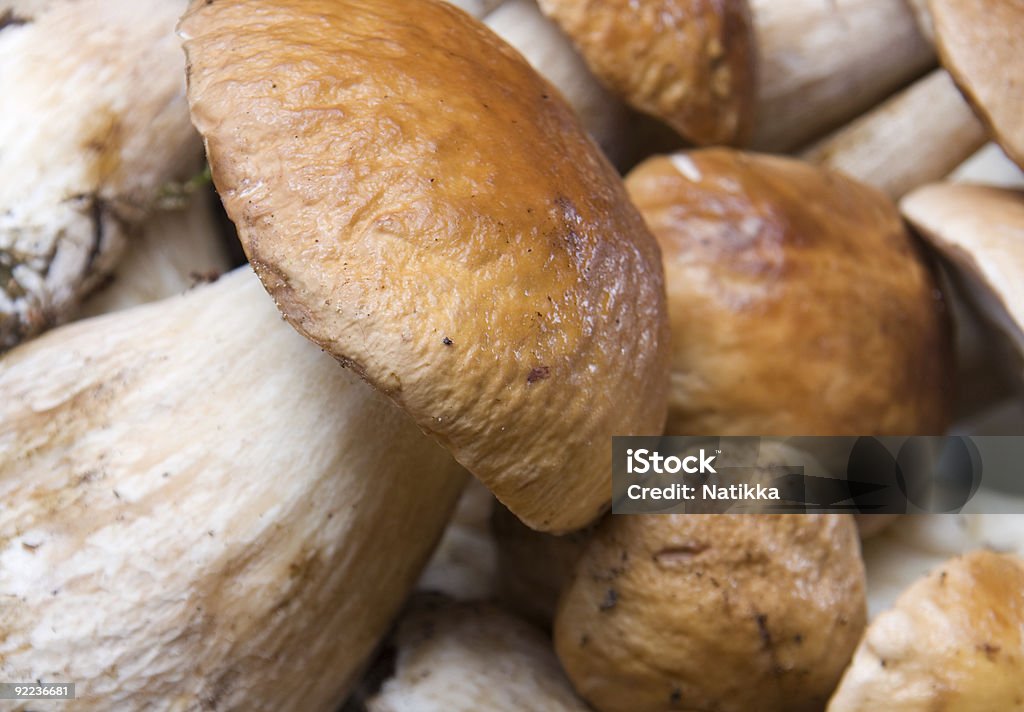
(980, 231)
(725, 612)
(979, 42)
(425, 207)
(690, 63)
(954, 642)
(798, 302)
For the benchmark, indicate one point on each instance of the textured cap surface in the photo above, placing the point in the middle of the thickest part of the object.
(721, 612)
(979, 42)
(426, 208)
(690, 63)
(953, 642)
(799, 303)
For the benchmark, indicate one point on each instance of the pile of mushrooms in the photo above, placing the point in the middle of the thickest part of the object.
(324, 423)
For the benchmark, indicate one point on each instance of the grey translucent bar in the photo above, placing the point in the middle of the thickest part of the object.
(37, 691)
(862, 475)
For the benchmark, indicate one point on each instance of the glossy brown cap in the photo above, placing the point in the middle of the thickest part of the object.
(713, 612)
(798, 302)
(689, 63)
(425, 207)
(980, 231)
(954, 641)
(980, 43)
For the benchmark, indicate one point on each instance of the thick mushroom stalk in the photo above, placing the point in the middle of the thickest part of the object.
(918, 136)
(95, 123)
(429, 211)
(954, 642)
(798, 301)
(725, 612)
(471, 658)
(197, 515)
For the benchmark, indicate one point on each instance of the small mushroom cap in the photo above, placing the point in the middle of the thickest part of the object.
(980, 231)
(726, 612)
(798, 302)
(953, 642)
(979, 42)
(689, 63)
(426, 208)
(470, 658)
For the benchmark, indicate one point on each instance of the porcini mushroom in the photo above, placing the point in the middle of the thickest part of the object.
(978, 231)
(472, 657)
(979, 43)
(197, 515)
(690, 64)
(95, 123)
(398, 201)
(798, 302)
(716, 72)
(954, 641)
(724, 612)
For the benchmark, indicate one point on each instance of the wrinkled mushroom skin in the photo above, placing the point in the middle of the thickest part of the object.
(94, 123)
(202, 511)
(724, 612)
(431, 212)
(954, 642)
(472, 658)
(980, 44)
(690, 63)
(799, 304)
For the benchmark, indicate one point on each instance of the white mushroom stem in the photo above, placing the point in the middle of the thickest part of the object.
(201, 510)
(94, 124)
(465, 658)
(916, 137)
(174, 250)
(823, 62)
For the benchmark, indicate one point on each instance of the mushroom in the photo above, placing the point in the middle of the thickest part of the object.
(438, 251)
(917, 137)
(95, 123)
(201, 515)
(716, 72)
(690, 64)
(724, 612)
(953, 641)
(472, 657)
(175, 249)
(977, 229)
(798, 302)
(979, 43)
